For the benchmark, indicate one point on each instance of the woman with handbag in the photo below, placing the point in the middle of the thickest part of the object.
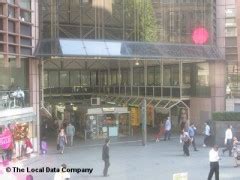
(61, 140)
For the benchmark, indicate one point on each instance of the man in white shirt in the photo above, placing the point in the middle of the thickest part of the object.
(214, 163)
(168, 126)
(207, 134)
(228, 140)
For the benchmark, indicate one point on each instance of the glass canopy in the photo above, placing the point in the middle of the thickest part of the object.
(124, 49)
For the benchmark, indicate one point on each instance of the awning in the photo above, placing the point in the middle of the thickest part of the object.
(124, 49)
(22, 118)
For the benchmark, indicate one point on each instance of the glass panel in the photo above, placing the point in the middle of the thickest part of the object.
(138, 76)
(26, 30)
(157, 75)
(53, 78)
(11, 12)
(25, 16)
(74, 78)
(72, 47)
(186, 77)
(45, 79)
(166, 76)
(25, 4)
(93, 78)
(203, 74)
(175, 75)
(125, 77)
(64, 79)
(114, 80)
(85, 78)
(95, 48)
(114, 48)
(150, 76)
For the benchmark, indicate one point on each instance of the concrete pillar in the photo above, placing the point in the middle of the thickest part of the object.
(217, 72)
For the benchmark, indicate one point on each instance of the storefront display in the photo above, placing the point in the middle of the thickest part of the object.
(107, 122)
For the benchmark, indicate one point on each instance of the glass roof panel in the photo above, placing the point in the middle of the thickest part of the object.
(72, 47)
(114, 48)
(144, 50)
(95, 48)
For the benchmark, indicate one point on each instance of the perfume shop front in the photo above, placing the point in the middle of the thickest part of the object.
(18, 127)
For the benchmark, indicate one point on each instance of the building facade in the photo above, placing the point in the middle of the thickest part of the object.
(19, 71)
(162, 50)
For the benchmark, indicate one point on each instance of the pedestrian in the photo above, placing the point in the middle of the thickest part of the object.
(186, 140)
(70, 133)
(214, 163)
(105, 157)
(62, 175)
(228, 140)
(160, 132)
(236, 151)
(61, 140)
(207, 134)
(191, 131)
(167, 128)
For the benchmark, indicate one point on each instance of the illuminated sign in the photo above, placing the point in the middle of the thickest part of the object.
(200, 35)
(108, 109)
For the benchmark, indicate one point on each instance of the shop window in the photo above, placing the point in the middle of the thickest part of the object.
(25, 16)
(231, 41)
(74, 78)
(26, 4)
(103, 78)
(64, 79)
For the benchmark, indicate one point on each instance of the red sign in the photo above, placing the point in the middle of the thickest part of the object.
(200, 35)
(5, 139)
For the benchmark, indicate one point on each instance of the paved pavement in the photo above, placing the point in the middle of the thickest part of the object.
(132, 161)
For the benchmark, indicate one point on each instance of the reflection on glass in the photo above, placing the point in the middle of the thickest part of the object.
(74, 78)
(53, 78)
(64, 79)
(85, 78)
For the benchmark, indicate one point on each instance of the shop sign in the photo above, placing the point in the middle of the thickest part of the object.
(108, 109)
(5, 139)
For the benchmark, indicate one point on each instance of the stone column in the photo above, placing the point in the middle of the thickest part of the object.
(217, 72)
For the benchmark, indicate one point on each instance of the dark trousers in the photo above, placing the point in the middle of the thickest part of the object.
(214, 168)
(193, 143)
(106, 166)
(229, 147)
(207, 140)
(167, 135)
(186, 148)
